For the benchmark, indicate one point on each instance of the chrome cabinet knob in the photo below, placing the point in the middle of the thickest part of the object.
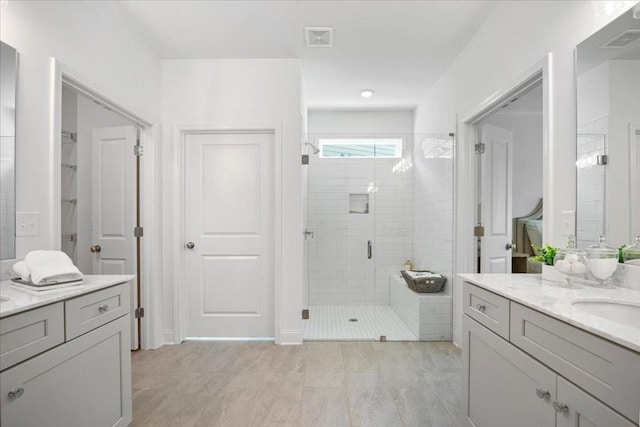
(95, 249)
(560, 406)
(103, 308)
(190, 245)
(15, 393)
(542, 393)
(481, 308)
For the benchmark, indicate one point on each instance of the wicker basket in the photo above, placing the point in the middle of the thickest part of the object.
(423, 285)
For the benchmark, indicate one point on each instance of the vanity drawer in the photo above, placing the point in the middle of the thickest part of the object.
(609, 372)
(487, 308)
(90, 311)
(26, 334)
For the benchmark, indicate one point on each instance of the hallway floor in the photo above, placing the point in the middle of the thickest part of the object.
(316, 384)
(331, 323)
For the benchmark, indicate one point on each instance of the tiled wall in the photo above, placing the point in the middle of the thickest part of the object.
(339, 271)
(591, 219)
(434, 204)
(7, 197)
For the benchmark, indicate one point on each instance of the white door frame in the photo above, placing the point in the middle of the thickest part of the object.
(465, 243)
(150, 245)
(180, 133)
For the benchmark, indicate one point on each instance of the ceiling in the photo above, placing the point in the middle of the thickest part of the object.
(398, 48)
(590, 52)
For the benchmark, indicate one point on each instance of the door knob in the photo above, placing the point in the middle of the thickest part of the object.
(510, 246)
(95, 249)
(190, 245)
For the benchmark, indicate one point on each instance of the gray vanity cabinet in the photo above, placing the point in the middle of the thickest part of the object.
(85, 380)
(584, 410)
(502, 383)
(555, 383)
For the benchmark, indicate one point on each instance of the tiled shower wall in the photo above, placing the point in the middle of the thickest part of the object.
(339, 271)
(434, 204)
(591, 219)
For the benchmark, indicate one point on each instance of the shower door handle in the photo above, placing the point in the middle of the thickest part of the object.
(369, 249)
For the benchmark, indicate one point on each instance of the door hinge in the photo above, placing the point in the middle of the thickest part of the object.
(138, 313)
(305, 314)
(138, 150)
(479, 147)
(138, 232)
(478, 231)
(305, 159)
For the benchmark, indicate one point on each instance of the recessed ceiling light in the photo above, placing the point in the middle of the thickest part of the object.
(366, 93)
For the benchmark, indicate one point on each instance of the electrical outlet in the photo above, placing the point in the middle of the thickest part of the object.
(568, 223)
(27, 223)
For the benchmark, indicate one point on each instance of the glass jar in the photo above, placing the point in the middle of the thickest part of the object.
(571, 261)
(631, 253)
(602, 261)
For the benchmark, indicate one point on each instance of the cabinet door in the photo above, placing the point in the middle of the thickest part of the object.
(583, 410)
(85, 382)
(501, 383)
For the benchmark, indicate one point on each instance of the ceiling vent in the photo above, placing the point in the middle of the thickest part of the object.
(622, 40)
(318, 36)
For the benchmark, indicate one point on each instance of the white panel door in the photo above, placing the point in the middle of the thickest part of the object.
(229, 212)
(114, 206)
(496, 199)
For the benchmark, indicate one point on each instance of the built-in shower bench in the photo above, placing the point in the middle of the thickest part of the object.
(428, 316)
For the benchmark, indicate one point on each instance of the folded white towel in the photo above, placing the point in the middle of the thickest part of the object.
(51, 266)
(21, 269)
(42, 257)
(422, 274)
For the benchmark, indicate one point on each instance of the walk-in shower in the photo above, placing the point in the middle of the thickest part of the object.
(363, 212)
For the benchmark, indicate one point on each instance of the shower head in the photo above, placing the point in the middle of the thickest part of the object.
(315, 149)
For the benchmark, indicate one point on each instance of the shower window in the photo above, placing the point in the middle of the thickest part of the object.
(360, 148)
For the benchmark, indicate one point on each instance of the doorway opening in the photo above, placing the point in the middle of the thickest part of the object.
(488, 230)
(509, 185)
(100, 191)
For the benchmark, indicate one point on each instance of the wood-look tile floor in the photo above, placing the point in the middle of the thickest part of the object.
(317, 384)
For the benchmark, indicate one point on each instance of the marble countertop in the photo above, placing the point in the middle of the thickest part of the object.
(22, 300)
(549, 298)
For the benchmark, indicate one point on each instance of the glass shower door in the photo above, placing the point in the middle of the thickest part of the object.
(340, 277)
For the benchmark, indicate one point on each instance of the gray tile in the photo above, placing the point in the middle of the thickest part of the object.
(370, 402)
(325, 407)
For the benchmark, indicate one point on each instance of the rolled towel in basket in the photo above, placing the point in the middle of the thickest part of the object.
(50, 267)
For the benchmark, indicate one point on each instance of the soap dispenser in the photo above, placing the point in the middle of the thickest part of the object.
(408, 266)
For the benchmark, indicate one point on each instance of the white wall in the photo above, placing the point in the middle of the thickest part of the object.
(241, 93)
(515, 37)
(361, 121)
(94, 40)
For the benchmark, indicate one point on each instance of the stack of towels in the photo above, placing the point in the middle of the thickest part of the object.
(47, 269)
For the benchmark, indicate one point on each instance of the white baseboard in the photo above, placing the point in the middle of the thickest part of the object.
(289, 337)
(168, 337)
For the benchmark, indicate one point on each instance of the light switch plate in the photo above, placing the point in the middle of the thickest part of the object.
(568, 223)
(27, 224)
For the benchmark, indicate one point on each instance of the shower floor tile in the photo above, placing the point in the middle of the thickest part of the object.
(332, 322)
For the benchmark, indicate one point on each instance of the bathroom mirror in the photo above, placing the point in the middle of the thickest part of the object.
(8, 88)
(608, 139)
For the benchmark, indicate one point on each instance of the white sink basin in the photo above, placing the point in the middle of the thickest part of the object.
(624, 312)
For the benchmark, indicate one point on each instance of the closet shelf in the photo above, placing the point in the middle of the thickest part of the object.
(70, 136)
(70, 201)
(69, 237)
(72, 167)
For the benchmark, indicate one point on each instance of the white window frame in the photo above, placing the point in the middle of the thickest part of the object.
(346, 140)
